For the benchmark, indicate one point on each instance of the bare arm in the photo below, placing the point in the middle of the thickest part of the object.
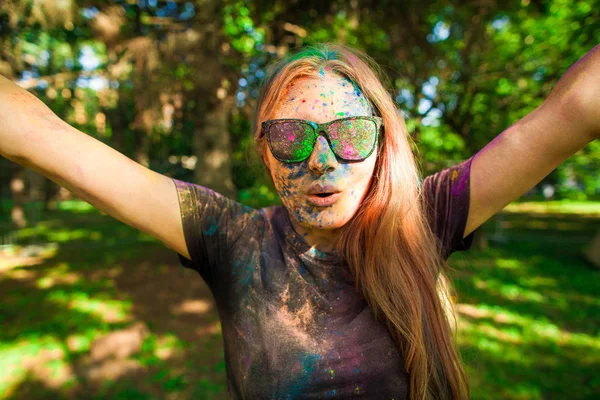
(33, 136)
(520, 157)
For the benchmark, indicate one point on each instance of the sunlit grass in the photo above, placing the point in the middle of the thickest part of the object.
(55, 312)
(556, 207)
(529, 325)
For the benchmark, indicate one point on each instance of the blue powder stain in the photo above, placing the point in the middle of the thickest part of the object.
(308, 362)
(325, 104)
(323, 158)
(322, 71)
(243, 270)
(356, 370)
(295, 171)
(331, 393)
(303, 269)
(212, 229)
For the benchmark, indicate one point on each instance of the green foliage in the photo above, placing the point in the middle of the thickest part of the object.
(461, 74)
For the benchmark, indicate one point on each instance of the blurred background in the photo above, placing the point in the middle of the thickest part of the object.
(91, 308)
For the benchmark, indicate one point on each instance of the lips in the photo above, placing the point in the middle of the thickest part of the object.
(318, 188)
(323, 195)
(325, 201)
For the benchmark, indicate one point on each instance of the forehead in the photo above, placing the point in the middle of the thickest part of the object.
(323, 98)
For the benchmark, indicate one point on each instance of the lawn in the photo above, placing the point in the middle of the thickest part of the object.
(106, 312)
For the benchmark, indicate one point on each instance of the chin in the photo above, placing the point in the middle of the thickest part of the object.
(324, 220)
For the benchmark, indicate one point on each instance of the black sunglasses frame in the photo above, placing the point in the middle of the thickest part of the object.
(318, 128)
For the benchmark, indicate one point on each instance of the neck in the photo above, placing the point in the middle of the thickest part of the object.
(320, 239)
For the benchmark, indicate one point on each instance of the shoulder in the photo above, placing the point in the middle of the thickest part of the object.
(445, 196)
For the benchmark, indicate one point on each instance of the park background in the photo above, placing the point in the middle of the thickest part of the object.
(91, 308)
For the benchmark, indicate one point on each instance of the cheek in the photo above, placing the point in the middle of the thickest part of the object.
(358, 181)
(287, 178)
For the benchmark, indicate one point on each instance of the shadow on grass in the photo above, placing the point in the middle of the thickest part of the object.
(113, 315)
(108, 319)
(529, 311)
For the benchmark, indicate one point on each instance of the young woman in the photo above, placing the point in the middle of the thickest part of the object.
(339, 292)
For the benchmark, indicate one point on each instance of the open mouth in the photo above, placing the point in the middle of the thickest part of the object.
(324, 199)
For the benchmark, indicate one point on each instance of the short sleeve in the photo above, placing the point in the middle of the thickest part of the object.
(446, 197)
(212, 223)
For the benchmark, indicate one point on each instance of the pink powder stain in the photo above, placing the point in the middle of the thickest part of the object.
(291, 138)
(346, 150)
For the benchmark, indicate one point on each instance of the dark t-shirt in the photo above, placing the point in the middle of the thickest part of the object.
(294, 326)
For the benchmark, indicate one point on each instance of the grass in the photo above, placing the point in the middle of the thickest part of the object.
(106, 312)
(529, 325)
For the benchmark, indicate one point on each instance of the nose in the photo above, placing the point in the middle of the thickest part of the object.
(322, 159)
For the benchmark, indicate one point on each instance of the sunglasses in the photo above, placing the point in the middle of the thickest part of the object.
(350, 138)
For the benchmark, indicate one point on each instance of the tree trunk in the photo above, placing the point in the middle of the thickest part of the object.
(142, 147)
(118, 122)
(17, 189)
(51, 189)
(212, 146)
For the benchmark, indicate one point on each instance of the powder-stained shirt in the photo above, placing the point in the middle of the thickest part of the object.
(294, 326)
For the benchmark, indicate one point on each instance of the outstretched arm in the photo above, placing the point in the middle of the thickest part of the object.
(33, 136)
(525, 153)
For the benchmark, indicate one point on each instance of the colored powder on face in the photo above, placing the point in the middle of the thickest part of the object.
(341, 114)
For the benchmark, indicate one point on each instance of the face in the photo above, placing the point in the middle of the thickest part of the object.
(329, 96)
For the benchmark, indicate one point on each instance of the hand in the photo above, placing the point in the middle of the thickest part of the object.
(576, 95)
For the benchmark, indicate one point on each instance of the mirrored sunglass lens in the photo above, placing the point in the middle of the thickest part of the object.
(353, 139)
(292, 141)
